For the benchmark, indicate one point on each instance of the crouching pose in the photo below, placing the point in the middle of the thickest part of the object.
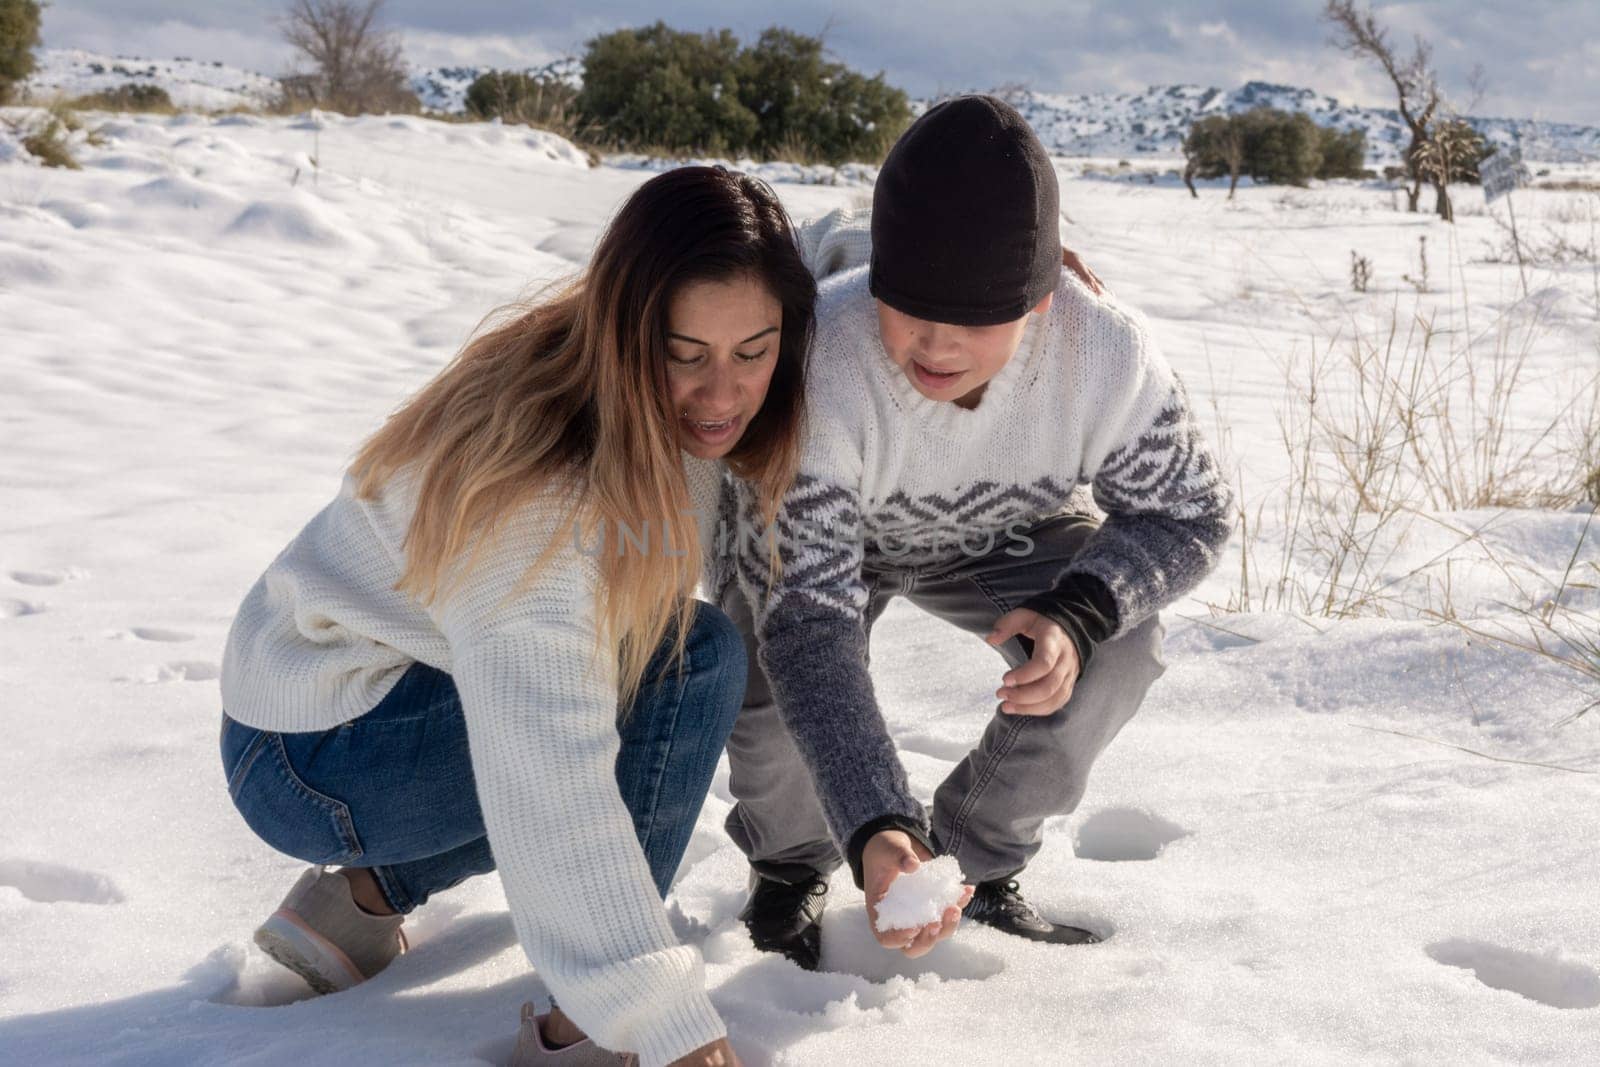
(485, 654)
(963, 391)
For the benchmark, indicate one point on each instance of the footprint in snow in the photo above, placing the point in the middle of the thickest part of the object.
(235, 976)
(1547, 979)
(177, 671)
(151, 633)
(1123, 834)
(54, 883)
(16, 609)
(44, 578)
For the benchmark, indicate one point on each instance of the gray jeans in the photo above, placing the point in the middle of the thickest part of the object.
(989, 813)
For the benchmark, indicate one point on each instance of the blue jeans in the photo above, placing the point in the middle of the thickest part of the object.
(393, 790)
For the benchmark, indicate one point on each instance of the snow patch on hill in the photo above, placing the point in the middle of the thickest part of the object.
(191, 83)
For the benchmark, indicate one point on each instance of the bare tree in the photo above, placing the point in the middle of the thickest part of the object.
(355, 67)
(1416, 86)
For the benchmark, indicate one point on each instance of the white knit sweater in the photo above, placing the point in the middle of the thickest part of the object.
(893, 481)
(323, 636)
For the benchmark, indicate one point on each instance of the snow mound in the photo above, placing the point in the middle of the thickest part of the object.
(297, 219)
(182, 193)
(922, 896)
(11, 149)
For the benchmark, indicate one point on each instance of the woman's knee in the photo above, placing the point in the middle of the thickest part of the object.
(716, 657)
(715, 637)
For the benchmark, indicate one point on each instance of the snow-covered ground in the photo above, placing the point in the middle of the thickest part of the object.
(1292, 861)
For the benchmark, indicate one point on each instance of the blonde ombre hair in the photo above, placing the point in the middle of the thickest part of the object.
(569, 395)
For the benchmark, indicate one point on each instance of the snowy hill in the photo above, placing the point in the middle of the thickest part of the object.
(1151, 122)
(192, 83)
(445, 88)
(1155, 121)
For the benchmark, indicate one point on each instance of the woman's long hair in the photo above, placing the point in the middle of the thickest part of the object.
(570, 393)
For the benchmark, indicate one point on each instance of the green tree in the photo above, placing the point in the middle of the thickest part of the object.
(702, 92)
(515, 96)
(1280, 147)
(1214, 146)
(806, 105)
(19, 36)
(657, 86)
(1344, 153)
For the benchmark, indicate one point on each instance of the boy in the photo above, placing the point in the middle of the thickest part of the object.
(960, 391)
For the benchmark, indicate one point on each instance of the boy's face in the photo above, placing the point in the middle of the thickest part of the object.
(950, 363)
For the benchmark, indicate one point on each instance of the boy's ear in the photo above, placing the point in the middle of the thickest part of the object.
(1044, 305)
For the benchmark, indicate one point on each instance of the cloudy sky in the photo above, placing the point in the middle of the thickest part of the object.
(1542, 57)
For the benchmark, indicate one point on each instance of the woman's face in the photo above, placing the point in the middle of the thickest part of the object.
(722, 347)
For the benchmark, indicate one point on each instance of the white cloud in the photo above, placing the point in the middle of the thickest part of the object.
(429, 48)
(259, 49)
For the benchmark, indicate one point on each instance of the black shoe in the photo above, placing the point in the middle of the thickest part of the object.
(787, 919)
(1000, 905)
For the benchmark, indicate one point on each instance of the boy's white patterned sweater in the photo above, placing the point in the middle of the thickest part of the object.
(891, 480)
(324, 635)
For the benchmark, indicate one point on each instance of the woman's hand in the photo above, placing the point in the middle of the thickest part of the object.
(1043, 684)
(717, 1054)
(1070, 260)
(889, 854)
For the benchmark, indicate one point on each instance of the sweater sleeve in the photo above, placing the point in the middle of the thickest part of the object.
(541, 712)
(1168, 508)
(839, 241)
(813, 642)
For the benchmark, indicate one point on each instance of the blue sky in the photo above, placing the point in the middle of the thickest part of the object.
(1542, 56)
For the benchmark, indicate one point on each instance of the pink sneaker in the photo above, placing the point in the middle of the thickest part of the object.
(533, 1052)
(320, 933)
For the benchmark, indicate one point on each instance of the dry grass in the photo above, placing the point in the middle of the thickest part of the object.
(1383, 424)
(132, 97)
(47, 137)
(1394, 425)
(1547, 620)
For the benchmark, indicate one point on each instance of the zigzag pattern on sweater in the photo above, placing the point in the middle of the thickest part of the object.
(820, 552)
(1167, 468)
(913, 532)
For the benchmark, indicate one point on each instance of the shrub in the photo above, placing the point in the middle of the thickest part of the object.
(49, 141)
(130, 96)
(1281, 148)
(660, 86)
(19, 36)
(1453, 151)
(806, 105)
(1344, 154)
(703, 92)
(1271, 146)
(515, 96)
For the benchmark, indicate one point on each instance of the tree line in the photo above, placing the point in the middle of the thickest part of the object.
(1288, 148)
(657, 88)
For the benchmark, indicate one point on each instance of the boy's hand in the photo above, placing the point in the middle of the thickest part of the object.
(1070, 260)
(1044, 683)
(889, 854)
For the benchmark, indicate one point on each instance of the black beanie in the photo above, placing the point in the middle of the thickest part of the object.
(965, 217)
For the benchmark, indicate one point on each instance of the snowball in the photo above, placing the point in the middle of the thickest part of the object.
(920, 897)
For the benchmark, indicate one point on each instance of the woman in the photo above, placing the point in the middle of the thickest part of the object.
(485, 652)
